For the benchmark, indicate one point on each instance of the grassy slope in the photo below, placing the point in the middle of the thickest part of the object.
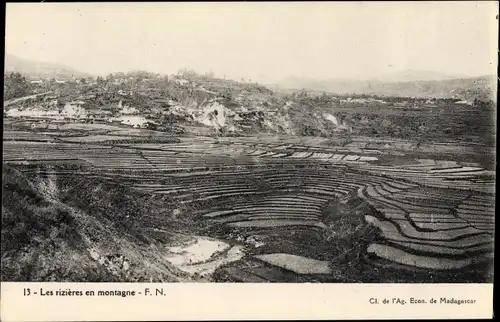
(275, 112)
(50, 232)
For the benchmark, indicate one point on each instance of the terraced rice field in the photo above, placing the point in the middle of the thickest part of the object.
(429, 215)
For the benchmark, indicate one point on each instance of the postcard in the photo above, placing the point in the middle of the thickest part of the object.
(248, 160)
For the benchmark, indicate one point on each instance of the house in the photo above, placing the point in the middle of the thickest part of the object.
(60, 81)
(38, 81)
(119, 81)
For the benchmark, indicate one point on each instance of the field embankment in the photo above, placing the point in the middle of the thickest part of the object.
(244, 209)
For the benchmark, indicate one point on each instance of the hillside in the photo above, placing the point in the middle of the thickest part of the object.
(40, 69)
(462, 88)
(53, 233)
(206, 105)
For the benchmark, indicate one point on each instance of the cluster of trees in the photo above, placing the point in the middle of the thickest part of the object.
(484, 103)
(132, 76)
(15, 85)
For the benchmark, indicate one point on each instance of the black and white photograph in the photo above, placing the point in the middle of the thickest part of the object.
(245, 142)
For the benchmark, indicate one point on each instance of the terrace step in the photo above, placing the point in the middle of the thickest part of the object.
(399, 256)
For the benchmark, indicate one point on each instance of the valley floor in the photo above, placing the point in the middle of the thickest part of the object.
(131, 206)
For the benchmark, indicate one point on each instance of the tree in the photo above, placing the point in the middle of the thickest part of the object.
(100, 80)
(110, 78)
(15, 86)
(187, 73)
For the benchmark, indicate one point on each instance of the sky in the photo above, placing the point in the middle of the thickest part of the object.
(259, 41)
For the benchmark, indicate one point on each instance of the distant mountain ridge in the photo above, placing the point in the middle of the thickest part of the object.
(416, 75)
(410, 83)
(407, 85)
(39, 69)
